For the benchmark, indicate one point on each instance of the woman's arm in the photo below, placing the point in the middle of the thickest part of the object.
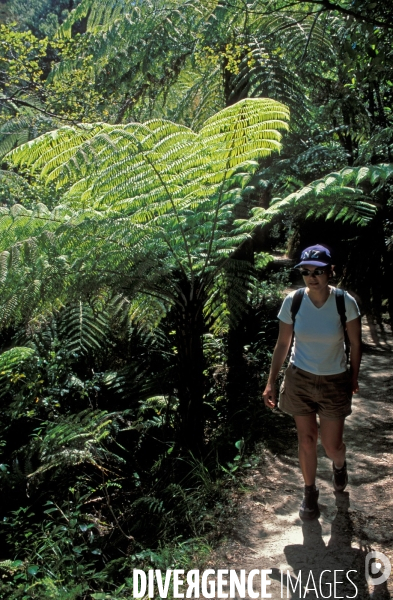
(354, 330)
(279, 355)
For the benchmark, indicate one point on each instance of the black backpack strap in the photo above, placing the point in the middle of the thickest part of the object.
(340, 303)
(296, 302)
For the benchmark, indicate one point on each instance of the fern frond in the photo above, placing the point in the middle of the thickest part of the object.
(161, 156)
(54, 148)
(263, 73)
(99, 16)
(12, 363)
(129, 40)
(14, 359)
(32, 268)
(19, 130)
(74, 440)
(379, 145)
(146, 312)
(339, 195)
(152, 505)
(228, 295)
(82, 330)
(246, 130)
(138, 196)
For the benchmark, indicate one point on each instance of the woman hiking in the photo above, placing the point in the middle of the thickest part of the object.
(317, 381)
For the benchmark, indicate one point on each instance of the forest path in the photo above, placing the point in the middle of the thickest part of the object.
(268, 533)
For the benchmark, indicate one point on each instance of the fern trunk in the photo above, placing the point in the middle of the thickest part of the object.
(237, 339)
(189, 342)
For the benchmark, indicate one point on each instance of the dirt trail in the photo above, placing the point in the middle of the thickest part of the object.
(268, 533)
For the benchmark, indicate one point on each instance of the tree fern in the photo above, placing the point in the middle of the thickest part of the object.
(74, 440)
(342, 196)
(147, 213)
(139, 48)
(159, 172)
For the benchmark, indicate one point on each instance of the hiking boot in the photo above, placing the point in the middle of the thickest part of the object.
(309, 508)
(340, 478)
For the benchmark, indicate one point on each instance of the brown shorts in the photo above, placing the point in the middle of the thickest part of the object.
(303, 393)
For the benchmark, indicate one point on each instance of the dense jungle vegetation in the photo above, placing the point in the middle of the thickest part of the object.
(156, 156)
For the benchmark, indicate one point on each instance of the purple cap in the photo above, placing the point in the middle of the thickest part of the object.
(318, 256)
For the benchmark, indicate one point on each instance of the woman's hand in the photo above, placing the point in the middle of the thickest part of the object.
(269, 396)
(355, 385)
(279, 355)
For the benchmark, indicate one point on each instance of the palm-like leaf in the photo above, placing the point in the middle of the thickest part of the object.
(129, 41)
(140, 202)
(263, 72)
(152, 50)
(74, 440)
(20, 129)
(343, 196)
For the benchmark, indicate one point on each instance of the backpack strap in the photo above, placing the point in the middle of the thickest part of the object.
(296, 302)
(340, 303)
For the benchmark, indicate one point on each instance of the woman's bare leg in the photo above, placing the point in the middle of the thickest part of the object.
(307, 433)
(332, 440)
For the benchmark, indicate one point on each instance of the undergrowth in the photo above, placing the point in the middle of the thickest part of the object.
(93, 482)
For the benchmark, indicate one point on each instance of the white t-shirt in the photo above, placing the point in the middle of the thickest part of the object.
(319, 337)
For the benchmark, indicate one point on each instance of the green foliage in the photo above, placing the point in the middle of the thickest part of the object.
(20, 129)
(128, 186)
(30, 102)
(128, 40)
(127, 253)
(20, 58)
(159, 199)
(13, 364)
(237, 134)
(14, 358)
(74, 440)
(83, 329)
(213, 54)
(59, 552)
(342, 196)
(42, 17)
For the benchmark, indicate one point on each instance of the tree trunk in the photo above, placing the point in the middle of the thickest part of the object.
(237, 338)
(189, 331)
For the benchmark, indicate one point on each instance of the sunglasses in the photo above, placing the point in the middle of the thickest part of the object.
(307, 272)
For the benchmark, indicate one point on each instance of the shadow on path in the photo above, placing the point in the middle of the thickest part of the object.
(332, 570)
